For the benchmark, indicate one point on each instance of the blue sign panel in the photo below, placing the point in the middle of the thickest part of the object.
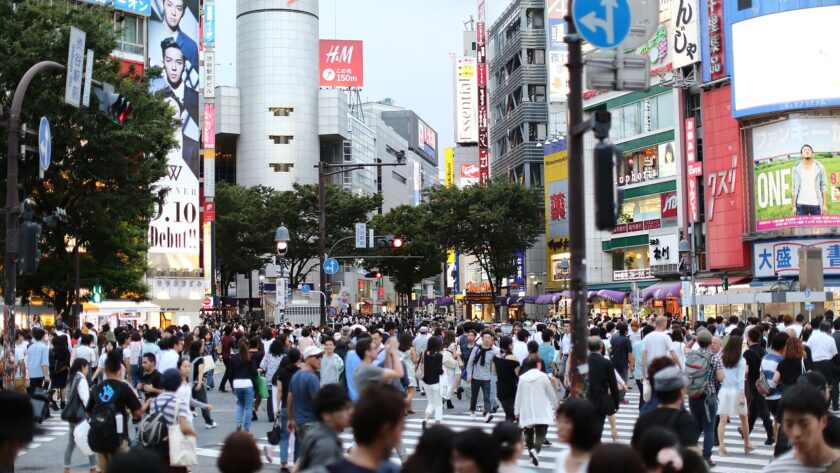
(139, 7)
(330, 266)
(44, 143)
(209, 24)
(519, 264)
(605, 24)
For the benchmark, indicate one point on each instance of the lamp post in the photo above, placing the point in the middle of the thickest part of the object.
(564, 270)
(686, 250)
(281, 239)
(262, 292)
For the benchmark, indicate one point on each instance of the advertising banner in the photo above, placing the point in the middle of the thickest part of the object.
(173, 45)
(209, 74)
(341, 63)
(774, 258)
(797, 173)
(139, 7)
(711, 33)
(466, 100)
(684, 32)
(427, 139)
(558, 51)
(209, 131)
(519, 264)
(693, 168)
(470, 174)
(669, 208)
(449, 167)
(556, 162)
(209, 23)
(483, 105)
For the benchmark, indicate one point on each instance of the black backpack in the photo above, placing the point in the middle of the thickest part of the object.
(153, 428)
(103, 436)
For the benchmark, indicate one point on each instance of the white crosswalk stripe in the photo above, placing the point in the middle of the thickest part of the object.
(52, 428)
(735, 461)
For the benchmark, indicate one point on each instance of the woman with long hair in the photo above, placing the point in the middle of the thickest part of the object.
(185, 392)
(107, 346)
(433, 452)
(78, 388)
(576, 428)
(432, 362)
(507, 377)
(732, 399)
(244, 368)
(451, 367)
(59, 359)
(792, 365)
(256, 347)
(197, 379)
(209, 350)
(408, 356)
(534, 405)
(290, 365)
(508, 439)
(268, 366)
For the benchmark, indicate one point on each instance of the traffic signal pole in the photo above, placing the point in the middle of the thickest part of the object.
(577, 218)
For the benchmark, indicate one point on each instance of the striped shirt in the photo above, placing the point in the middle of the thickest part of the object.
(168, 402)
(787, 463)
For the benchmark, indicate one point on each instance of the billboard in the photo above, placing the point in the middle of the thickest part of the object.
(556, 164)
(470, 174)
(483, 99)
(781, 258)
(209, 20)
(693, 168)
(797, 173)
(768, 70)
(341, 63)
(173, 45)
(139, 7)
(558, 51)
(466, 100)
(712, 40)
(427, 140)
(684, 32)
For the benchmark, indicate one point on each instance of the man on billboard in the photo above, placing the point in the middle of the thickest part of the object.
(183, 99)
(810, 185)
(172, 12)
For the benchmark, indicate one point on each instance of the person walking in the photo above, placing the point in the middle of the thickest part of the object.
(174, 412)
(507, 375)
(733, 401)
(268, 366)
(431, 362)
(705, 371)
(77, 395)
(792, 365)
(603, 385)
(332, 366)
(534, 405)
(409, 358)
(59, 369)
(282, 379)
(302, 390)
(823, 352)
(479, 367)
(756, 403)
(575, 428)
(197, 380)
(451, 367)
(227, 344)
(37, 362)
(243, 369)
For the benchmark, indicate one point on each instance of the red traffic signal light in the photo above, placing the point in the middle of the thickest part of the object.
(113, 105)
(391, 241)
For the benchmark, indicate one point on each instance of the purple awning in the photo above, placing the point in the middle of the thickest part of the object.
(663, 290)
(611, 295)
(545, 299)
(529, 299)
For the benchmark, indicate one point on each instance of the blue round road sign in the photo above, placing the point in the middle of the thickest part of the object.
(604, 23)
(44, 143)
(330, 266)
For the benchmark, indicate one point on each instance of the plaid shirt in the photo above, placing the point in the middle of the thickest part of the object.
(716, 364)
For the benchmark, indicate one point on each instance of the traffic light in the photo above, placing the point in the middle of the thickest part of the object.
(96, 294)
(374, 273)
(391, 241)
(607, 199)
(30, 233)
(725, 281)
(113, 105)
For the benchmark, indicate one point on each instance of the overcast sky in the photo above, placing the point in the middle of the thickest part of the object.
(406, 47)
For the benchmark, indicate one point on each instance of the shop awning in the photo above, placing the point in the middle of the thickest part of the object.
(662, 290)
(545, 299)
(718, 281)
(610, 295)
(121, 307)
(529, 299)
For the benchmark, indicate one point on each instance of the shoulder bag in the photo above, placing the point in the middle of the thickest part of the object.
(74, 411)
(420, 367)
(182, 448)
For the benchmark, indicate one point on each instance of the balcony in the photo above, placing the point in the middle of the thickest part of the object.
(666, 269)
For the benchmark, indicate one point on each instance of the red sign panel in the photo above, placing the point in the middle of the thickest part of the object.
(341, 63)
(717, 64)
(209, 214)
(668, 205)
(726, 219)
(637, 226)
(483, 135)
(693, 167)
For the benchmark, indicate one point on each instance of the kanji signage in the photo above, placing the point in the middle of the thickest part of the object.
(781, 258)
(693, 167)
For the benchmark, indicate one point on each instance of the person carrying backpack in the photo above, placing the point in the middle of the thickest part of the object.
(164, 411)
(704, 371)
(110, 403)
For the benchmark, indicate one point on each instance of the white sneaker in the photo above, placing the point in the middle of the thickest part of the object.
(211, 426)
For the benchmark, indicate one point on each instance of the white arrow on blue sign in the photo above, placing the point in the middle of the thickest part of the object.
(605, 23)
(330, 266)
(809, 307)
(44, 144)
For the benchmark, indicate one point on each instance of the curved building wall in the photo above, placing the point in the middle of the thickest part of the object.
(277, 73)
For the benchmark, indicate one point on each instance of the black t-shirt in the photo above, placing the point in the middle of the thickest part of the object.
(753, 356)
(116, 392)
(284, 376)
(432, 368)
(195, 364)
(507, 378)
(344, 466)
(152, 378)
(789, 371)
(678, 421)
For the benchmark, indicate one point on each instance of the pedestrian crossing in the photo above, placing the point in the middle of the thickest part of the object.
(53, 428)
(735, 461)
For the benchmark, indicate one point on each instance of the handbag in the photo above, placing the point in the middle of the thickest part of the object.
(646, 391)
(80, 435)
(273, 435)
(762, 386)
(209, 363)
(183, 450)
(262, 387)
(74, 411)
(420, 368)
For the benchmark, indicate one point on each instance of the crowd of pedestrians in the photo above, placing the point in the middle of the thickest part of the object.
(127, 386)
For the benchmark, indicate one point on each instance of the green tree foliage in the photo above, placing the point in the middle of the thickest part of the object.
(490, 223)
(413, 224)
(102, 174)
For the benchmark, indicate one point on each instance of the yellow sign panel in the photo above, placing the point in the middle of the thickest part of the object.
(450, 167)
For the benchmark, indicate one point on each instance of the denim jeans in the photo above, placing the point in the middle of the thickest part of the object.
(244, 405)
(211, 383)
(484, 385)
(201, 396)
(493, 381)
(704, 419)
(284, 439)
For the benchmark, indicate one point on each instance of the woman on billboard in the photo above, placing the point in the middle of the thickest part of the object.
(810, 185)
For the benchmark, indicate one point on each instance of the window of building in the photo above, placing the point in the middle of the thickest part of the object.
(536, 93)
(281, 167)
(281, 139)
(631, 258)
(536, 56)
(661, 111)
(537, 131)
(647, 164)
(281, 111)
(536, 177)
(131, 32)
(399, 178)
(535, 18)
(639, 210)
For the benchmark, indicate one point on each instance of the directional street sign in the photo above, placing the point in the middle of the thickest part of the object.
(809, 307)
(361, 235)
(605, 23)
(330, 266)
(304, 288)
(807, 293)
(44, 144)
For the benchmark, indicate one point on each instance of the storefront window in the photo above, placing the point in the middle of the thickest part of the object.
(647, 164)
(639, 210)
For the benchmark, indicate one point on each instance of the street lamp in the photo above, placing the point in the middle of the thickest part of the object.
(281, 240)
(564, 270)
(687, 251)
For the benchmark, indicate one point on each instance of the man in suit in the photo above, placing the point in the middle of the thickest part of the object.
(183, 99)
(620, 349)
(603, 387)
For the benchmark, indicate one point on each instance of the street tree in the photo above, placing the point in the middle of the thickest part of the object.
(414, 225)
(491, 223)
(103, 174)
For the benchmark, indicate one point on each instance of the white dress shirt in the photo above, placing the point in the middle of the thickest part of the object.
(822, 346)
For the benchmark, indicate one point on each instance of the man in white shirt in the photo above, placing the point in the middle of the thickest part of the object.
(170, 353)
(20, 363)
(823, 351)
(520, 345)
(86, 351)
(656, 344)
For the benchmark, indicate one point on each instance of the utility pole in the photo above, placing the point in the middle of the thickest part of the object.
(577, 217)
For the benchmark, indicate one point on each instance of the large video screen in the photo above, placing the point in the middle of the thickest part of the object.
(797, 173)
(773, 71)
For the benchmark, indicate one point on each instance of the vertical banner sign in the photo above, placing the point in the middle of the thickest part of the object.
(449, 171)
(693, 168)
(519, 264)
(75, 67)
(558, 51)
(361, 235)
(209, 74)
(714, 65)
(209, 131)
(209, 23)
(466, 101)
(418, 182)
(88, 78)
(173, 45)
(684, 40)
(341, 63)
(483, 105)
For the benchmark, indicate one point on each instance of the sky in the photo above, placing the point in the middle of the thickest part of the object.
(407, 46)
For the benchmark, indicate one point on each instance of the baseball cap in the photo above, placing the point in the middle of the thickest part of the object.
(312, 351)
(669, 379)
(704, 336)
